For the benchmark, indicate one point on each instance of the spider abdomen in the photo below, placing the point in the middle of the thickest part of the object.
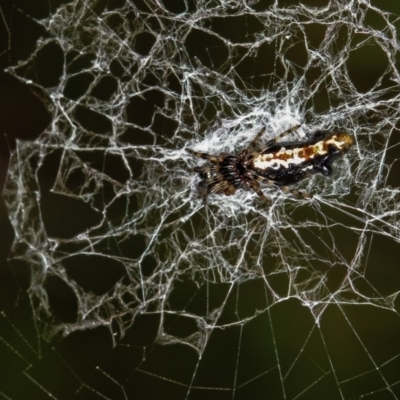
(289, 163)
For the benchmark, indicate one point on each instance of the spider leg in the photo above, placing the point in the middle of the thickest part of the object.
(215, 187)
(252, 144)
(271, 142)
(295, 192)
(205, 156)
(255, 185)
(285, 189)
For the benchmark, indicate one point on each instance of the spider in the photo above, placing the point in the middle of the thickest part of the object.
(277, 164)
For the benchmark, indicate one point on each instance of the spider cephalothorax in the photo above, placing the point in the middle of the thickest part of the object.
(278, 164)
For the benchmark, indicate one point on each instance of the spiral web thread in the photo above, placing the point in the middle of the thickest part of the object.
(182, 80)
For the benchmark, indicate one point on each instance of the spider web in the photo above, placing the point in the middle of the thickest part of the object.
(295, 298)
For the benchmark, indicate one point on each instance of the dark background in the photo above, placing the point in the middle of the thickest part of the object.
(24, 116)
